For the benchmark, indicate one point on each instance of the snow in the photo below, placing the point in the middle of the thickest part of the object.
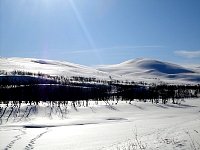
(102, 127)
(50, 67)
(148, 70)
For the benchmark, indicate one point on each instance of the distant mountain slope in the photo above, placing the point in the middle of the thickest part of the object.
(133, 70)
(145, 64)
(152, 69)
(162, 67)
(50, 67)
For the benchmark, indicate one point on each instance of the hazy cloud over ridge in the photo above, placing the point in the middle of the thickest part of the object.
(188, 54)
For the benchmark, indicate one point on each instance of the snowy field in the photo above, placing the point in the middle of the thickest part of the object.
(123, 126)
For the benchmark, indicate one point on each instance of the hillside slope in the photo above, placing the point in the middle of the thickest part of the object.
(147, 69)
(50, 67)
(132, 70)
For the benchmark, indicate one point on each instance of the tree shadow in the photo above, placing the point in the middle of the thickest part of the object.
(139, 107)
(180, 105)
(112, 107)
(166, 106)
(161, 106)
(93, 109)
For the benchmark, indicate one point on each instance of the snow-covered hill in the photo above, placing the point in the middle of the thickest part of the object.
(50, 67)
(133, 70)
(152, 70)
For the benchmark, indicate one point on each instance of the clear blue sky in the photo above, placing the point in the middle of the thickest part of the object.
(92, 32)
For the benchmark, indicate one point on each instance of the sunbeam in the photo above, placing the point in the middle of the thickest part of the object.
(85, 30)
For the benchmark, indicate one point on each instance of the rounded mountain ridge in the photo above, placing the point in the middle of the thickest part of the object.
(158, 66)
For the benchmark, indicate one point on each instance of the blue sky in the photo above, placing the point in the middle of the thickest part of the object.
(101, 31)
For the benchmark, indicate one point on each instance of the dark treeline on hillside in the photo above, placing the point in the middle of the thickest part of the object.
(42, 92)
(157, 93)
(24, 86)
(18, 77)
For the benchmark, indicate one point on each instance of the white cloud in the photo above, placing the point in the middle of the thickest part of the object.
(112, 48)
(188, 54)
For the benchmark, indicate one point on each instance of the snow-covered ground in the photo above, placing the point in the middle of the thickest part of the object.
(103, 127)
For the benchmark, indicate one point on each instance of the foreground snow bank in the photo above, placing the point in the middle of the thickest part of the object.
(137, 125)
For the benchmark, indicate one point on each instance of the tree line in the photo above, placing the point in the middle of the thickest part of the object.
(24, 86)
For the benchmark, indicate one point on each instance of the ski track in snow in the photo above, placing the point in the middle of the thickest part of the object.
(20, 136)
(16, 138)
(157, 127)
(32, 142)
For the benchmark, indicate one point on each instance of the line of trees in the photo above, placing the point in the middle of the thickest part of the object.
(157, 93)
(58, 79)
(56, 92)
(24, 86)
